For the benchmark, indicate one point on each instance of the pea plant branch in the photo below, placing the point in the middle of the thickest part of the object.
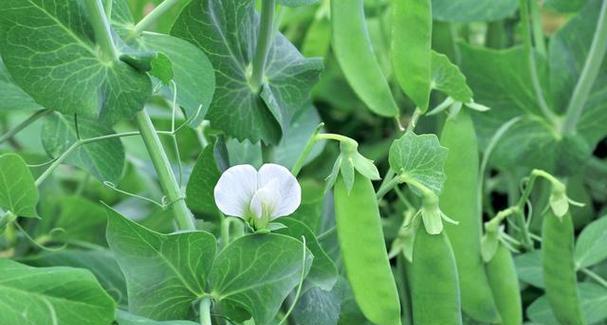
(166, 177)
(158, 12)
(589, 74)
(264, 43)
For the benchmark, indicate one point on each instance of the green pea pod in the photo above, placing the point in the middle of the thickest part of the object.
(459, 201)
(434, 285)
(559, 268)
(365, 258)
(411, 43)
(354, 52)
(503, 281)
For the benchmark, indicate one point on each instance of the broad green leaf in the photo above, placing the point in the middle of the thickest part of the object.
(126, 318)
(565, 5)
(100, 262)
(593, 302)
(102, 159)
(80, 220)
(18, 192)
(227, 32)
(421, 158)
(411, 43)
(529, 268)
(590, 245)
(244, 152)
(473, 10)
(448, 79)
(354, 52)
(257, 272)
(13, 97)
(318, 307)
(568, 51)
(52, 295)
(201, 184)
(323, 273)
(49, 50)
(302, 127)
(165, 274)
(193, 72)
(311, 209)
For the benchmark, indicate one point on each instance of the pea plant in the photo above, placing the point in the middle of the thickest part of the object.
(303, 162)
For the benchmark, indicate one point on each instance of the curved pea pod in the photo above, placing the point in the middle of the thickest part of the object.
(365, 258)
(354, 52)
(434, 284)
(459, 201)
(559, 268)
(504, 284)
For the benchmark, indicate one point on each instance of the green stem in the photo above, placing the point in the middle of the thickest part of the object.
(592, 68)
(600, 280)
(301, 160)
(168, 182)
(101, 26)
(153, 17)
(205, 311)
(387, 184)
(264, 42)
(538, 33)
(225, 230)
(33, 118)
(537, 87)
(337, 137)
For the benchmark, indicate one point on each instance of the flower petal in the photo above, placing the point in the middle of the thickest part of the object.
(265, 200)
(235, 189)
(288, 188)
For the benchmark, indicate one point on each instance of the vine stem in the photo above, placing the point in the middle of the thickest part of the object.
(31, 119)
(590, 72)
(168, 182)
(264, 42)
(205, 311)
(537, 87)
(151, 18)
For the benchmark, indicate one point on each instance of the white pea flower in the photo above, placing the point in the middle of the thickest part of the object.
(257, 196)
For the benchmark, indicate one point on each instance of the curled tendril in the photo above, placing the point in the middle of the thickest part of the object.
(36, 243)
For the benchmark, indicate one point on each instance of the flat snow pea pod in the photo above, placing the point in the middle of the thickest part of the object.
(559, 268)
(411, 43)
(459, 201)
(434, 285)
(354, 52)
(504, 284)
(361, 241)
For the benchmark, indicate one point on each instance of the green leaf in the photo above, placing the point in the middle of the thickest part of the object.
(323, 273)
(59, 132)
(49, 49)
(318, 307)
(420, 158)
(568, 51)
(244, 152)
(593, 302)
(165, 274)
(448, 79)
(52, 295)
(100, 262)
(297, 3)
(227, 32)
(257, 272)
(13, 97)
(473, 10)
(565, 5)
(529, 268)
(590, 245)
(18, 192)
(192, 72)
(200, 189)
(411, 43)
(126, 318)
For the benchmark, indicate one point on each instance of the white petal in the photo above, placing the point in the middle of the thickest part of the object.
(235, 189)
(288, 188)
(265, 200)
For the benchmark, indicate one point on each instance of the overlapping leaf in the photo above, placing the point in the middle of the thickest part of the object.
(18, 192)
(227, 32)
(49, 49)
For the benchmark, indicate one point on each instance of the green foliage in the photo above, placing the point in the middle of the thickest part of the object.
(18, 192)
